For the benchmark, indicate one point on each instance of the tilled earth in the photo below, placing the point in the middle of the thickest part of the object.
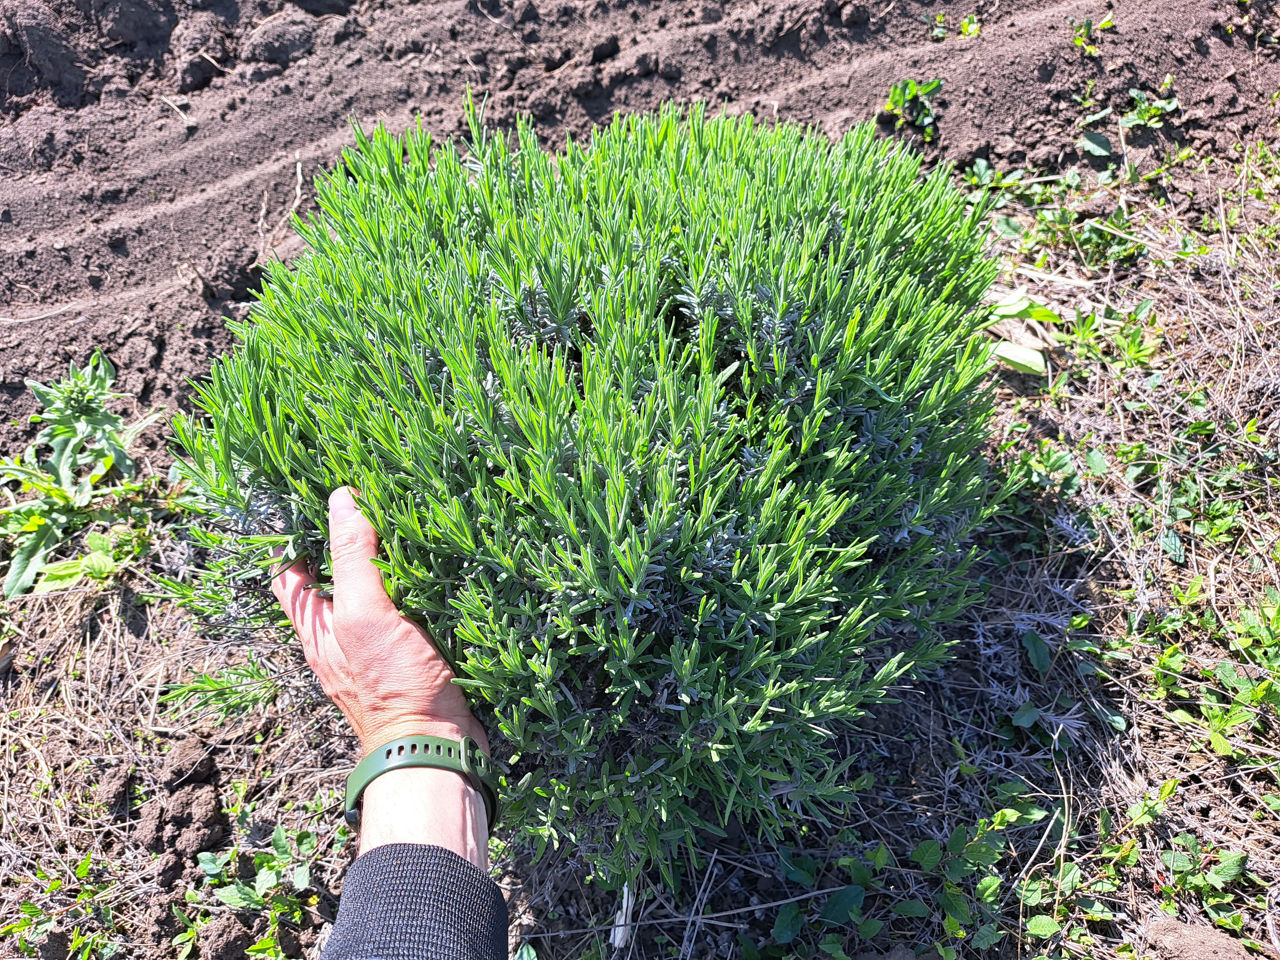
(152, 152)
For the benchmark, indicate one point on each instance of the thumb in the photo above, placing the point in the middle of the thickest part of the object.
(353, 544)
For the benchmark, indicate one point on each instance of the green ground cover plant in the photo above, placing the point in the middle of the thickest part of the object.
(76, 473)
(671, 439)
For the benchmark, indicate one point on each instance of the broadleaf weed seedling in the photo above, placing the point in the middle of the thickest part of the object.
(1084, 34)
(1148, 112)
(910, 103)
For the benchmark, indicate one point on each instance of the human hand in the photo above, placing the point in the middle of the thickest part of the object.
(379, 668)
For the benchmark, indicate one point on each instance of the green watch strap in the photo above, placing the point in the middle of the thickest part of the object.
(463, 757)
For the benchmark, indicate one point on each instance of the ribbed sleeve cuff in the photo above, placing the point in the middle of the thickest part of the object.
(407, 901)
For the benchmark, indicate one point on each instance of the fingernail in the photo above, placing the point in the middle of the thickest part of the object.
(341, 505)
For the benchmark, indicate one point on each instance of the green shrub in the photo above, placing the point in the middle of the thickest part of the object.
(672, 441)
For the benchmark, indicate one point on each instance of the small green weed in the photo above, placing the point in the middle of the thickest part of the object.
(1042, 213)
(1148, 112)
(189, 939)
(274, 881)
(970, 26)
(88, 920)
(1136, 341)
(1084, 33)
(78, 472)
(1204, 875)
(1127, 339)
(911, 104)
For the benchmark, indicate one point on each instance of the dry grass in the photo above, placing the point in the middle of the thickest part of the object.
(91, 749)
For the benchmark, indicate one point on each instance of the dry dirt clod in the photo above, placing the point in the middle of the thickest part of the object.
(200, 51)
(189, 762)
(134, 22)
(32, 29)
(225, 938)
(1175, 940)
(187, 822)
(280, 39)
(606, 49)
(113, 791)
(855, 15)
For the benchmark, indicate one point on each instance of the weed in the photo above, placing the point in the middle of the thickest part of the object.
(89, 922)
(970, 26)
(188, 939)
(273, 882)
(1146, 112)
(78, 472)
(1135, 342)
(911, 104)
(1207, 876)
(1085, 98)
(1084, 34)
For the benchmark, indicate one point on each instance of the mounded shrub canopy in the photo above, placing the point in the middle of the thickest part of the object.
(670, 439)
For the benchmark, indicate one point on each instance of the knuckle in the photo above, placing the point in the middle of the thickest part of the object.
(351, 543)
(352, 624)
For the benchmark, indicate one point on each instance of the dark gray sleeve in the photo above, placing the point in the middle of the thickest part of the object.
(408, 901)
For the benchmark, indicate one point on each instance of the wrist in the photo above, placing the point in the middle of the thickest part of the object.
(373, 736)
(428, 806)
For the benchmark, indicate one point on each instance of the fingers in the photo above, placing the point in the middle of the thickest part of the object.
(357, 584)
(306, 608)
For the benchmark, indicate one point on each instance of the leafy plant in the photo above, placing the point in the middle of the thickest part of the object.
(1148, 112)
(227, 693)
(188, 939)
(937, 25)
(1136, 343)
(88, 920)
(671, 440)
(1084, 33)
(1205, 875)
(970, 26)
(911, 103)
(272, 881)
(76, 466)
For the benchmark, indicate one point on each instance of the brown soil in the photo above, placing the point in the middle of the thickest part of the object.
(103, 776)
(1175, 940)
(152, 150)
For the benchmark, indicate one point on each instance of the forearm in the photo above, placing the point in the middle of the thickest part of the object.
(420, 889)
(414, 902)
(426, 806)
